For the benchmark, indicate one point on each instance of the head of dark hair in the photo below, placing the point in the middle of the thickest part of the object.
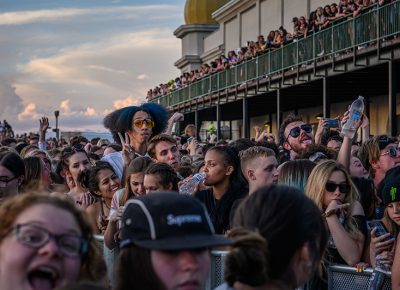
(120, 121)
(287, 220)
(368, 198)
(242, 144)
(12, 162)
(90, 178)
(134, 267)
(289, 119)
(115, 146)
(166, 174)
(8, 141)
(151, 147)
(314, 148)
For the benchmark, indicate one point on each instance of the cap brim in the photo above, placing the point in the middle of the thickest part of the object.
(184, 242)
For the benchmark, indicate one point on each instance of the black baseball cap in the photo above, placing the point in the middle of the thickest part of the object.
(390, 186)
(168, 221)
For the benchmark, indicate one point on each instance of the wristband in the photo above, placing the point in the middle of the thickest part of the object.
(330, 213)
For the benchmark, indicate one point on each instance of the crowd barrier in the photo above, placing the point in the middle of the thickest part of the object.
(340, 277)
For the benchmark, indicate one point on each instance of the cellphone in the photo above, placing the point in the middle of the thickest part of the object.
(379, 226)
(332, 123)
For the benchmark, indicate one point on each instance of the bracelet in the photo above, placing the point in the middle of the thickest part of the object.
(330, 213)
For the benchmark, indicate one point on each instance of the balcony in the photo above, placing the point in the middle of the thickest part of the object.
(374, 30)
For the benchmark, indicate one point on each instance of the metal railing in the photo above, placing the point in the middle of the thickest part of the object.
(371, 27)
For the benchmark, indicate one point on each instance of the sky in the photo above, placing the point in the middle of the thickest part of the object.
(84, 58)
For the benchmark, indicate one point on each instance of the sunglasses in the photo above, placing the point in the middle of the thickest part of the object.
(295, 132)
(73, 149)
(343, 187)
(392, 152)
(138, 123)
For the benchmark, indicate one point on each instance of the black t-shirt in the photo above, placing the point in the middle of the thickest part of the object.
(219, 211)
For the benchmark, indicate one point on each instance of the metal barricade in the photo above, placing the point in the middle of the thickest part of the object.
(347, 278)
(216, 275)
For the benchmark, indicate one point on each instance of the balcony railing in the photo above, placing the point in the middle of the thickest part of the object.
(372, 27)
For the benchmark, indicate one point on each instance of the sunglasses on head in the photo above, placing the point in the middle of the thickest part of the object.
(138, 123)
(295, 132)
(392, 152)
(73, 149)
(343, 187)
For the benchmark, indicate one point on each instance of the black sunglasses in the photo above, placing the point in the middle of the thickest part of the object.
(73, 149)
(295, 132)
(392, 152)
(343, 187)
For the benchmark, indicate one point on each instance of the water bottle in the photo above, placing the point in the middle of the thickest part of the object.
(356, 111)
(190, 185)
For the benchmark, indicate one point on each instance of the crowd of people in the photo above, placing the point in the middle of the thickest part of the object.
(303, 26)
(284, 209)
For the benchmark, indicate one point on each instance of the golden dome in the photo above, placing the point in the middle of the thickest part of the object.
(199, 11)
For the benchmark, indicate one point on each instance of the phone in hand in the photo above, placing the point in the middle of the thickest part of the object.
(332, 123)
(379, 226)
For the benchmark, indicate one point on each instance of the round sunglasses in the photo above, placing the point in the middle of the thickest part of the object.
(392, 152)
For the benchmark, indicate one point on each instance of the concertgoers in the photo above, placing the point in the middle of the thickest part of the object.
(165, 243)
(46, 242)
(12, 174)
(279, 240)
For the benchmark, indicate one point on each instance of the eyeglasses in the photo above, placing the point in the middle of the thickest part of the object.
(4, 180)
(392, 152)
(343, 187)
(36, 237)
(138, 123)
(295, 132)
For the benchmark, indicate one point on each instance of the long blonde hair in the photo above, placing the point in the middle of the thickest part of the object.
(315, 189)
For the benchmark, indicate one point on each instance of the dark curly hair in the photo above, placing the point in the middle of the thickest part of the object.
(120, 121)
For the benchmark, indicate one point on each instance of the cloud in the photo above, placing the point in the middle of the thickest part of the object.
(29, 112)
(142, 77)
(111, 63)
(11, 103)
(68, 14)
(65, 106)
(128, 101)
(90, 112)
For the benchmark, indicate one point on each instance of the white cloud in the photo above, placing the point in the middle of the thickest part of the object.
(29, 112)
(67, 14)
(90, 112)
(142, 77)
(65, 106)
(11, 103)
(128, 101)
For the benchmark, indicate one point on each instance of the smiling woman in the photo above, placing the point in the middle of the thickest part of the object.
(45, 242)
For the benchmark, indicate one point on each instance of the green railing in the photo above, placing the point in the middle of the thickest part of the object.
(346, 34)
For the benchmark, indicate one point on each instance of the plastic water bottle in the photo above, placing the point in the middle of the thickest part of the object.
(190, 185)
(356, 111)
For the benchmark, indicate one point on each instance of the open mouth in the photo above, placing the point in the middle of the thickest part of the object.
(43, 278)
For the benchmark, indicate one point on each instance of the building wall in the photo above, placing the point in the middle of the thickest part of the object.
(271, 15)
(231, 34)
(214, 39)
(249, 25)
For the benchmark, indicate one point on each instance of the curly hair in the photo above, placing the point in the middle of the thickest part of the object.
(120, 121)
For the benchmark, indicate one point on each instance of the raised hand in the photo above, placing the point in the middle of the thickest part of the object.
(128, 152)
(43, 124)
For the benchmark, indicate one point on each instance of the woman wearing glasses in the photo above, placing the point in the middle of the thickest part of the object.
(45, 242)
(333, 191)
(74, 161)
(137, 124)
(12, 172)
